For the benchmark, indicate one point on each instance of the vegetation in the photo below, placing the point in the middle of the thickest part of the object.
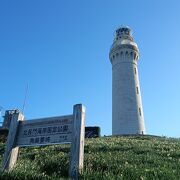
(128, 157)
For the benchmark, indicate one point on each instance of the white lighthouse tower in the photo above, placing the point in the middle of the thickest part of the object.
(127, 110)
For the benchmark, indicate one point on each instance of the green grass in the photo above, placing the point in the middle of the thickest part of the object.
(130, 157)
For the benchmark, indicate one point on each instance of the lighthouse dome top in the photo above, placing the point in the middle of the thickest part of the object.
(123, 30)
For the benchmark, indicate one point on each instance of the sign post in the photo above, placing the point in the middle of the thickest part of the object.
(77, 146)
(48, 131)
(11, 150)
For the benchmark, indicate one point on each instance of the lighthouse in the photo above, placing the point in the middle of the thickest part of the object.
(127, 110)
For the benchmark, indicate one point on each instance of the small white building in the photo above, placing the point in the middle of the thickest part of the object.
(127, 110)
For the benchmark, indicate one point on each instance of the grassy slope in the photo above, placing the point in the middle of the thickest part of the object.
(137, 157)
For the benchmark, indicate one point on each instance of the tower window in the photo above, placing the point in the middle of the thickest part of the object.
(137, 90)
(117, 54)
(135, 71)
(113, 56)
(140, 111)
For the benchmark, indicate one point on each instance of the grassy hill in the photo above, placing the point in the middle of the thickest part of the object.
(128, 157)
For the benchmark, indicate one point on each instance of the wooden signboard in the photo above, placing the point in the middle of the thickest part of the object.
(45, 131)
(48, 131)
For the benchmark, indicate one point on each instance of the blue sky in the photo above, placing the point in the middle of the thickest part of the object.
(60, 48)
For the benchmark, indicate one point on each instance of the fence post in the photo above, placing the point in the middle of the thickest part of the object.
(11, 151)
(77, 144)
